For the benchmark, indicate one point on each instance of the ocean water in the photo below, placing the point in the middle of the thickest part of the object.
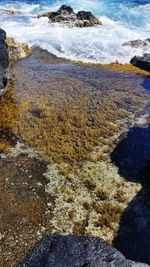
(123, 20)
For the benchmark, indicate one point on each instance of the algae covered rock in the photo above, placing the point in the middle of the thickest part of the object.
(4, 61)
(17, 50)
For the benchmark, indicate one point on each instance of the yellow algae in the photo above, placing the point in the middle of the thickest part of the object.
(66, 128)
(17, 50)
(8, 118)
(75, 126)
(66, 135)
(116, 66)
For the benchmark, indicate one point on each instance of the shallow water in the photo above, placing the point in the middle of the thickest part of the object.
(71, 116)
(75, 105)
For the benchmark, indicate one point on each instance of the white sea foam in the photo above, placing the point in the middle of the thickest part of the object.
(98, 44)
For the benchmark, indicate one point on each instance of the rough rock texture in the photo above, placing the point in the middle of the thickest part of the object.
(141, 62)
(17, 50)
(73, 251)
(126, 263)
(24, 205)
(4, 61)
(138, 43)
(66, 16)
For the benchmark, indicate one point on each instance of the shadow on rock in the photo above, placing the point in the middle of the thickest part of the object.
(132, 156)
(74, 251)
(132, 152)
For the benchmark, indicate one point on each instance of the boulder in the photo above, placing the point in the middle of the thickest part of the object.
(138, 43)
(74, 251)
(141, 62)
(4, 62)
(62, 19)
(62, 11)
(65, 10)
(9, 12)
(45, 14)
(65, 15)
(88, 16)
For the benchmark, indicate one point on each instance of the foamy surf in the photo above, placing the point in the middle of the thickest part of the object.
(100, 44)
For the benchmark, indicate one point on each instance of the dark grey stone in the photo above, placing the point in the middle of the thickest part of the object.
(88, 16)
(73, 251)
(138, 43)
(141, 62)
(66, 16)
(66, 10)
(4, 61)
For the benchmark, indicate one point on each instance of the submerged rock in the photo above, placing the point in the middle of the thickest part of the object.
(141, 62)
(74, 251)
(4, 61)
(138, 43)
(66, 16)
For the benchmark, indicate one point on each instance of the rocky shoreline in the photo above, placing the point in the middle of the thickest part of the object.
(66, 16)
(70, 159)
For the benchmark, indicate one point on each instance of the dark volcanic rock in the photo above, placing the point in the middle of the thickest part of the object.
(88, 16)
(73, 251)
(65, 10)
(4, 61)
(138, 43)
(66, 16)
(141, 62)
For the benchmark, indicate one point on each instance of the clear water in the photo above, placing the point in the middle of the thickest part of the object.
(122, 21)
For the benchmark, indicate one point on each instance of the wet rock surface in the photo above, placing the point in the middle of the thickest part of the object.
(142, 62)
(9, 12)
(66, 251)
(24, 214)
(138, 43)
(65, 15)
(45, 57)
(4, 62)
(16, 50)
